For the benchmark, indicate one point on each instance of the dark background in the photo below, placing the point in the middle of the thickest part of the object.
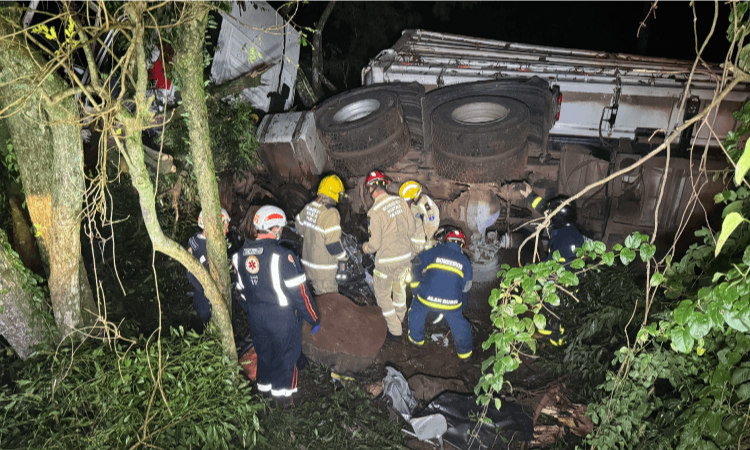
(357, 31)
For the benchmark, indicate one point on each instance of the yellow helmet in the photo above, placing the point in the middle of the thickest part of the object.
(331, 186)
(410, 190)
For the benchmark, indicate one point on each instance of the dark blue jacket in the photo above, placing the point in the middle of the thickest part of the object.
(197, 247)
(565, 240)
(271, 279)
(442, 277)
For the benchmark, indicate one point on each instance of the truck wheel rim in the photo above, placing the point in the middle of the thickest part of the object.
(479, 113)
(357, 110)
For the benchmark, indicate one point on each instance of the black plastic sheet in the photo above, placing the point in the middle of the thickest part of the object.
(510, 425)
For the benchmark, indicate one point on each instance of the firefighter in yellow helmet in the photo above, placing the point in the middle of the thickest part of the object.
(426, 216)
(390, 225)
(320, 225)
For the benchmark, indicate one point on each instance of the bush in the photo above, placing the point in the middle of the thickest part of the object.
(93, 396)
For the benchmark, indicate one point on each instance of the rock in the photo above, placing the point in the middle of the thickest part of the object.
(426, 387)
(349, 337)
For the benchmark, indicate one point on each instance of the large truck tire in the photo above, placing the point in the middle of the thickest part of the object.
(481, 126)
(381, 156)
(357, 121)
(534, 93)
(479, 169)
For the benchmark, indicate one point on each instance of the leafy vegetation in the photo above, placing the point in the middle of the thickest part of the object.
(94, 396)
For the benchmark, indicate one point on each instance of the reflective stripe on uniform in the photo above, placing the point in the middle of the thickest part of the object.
(389, 313)
(203, 259)
(296, 281)
(399, 304)
(318, 266)
(414, 284)
(332, 229)
(438, 305)
(283, 392)
(341, 256)
(444, 267)
(439, 318)
(395, 259)
(276, 280)
(464, 355)
(415, 342)
(380, 274)
(235, 262)
(418, 241)
(536, 202)
(264, 387)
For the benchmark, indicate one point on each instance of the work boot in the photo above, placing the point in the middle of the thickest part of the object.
(393, 337)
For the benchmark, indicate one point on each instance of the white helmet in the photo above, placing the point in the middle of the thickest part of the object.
(224, 217)
(269, 217)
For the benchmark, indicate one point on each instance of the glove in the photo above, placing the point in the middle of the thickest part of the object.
(315, 330)
(342, 275)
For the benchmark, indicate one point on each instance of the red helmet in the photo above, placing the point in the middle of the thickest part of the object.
(375, 177)
(456, 236)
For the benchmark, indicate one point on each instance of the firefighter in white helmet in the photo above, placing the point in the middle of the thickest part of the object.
(319, 223)
(276, 299)
(391, 226)
(426, 216)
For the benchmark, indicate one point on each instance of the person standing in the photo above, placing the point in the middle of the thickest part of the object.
(391, 225)
(320, 225)
(442, 281)
(273, 293)
(197, 247)
(426, 216)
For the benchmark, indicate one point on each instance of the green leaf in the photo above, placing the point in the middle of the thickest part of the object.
(632, 241)
(627, 256)
(713, 423)
(647, 252)
(744, 163)
(731, 222)
(746, 256)
(540, 321)
(743, 392)
(617, 247)
(737, 320)
(740, 375)
(732, 207)
(656, 279)
(683, 312)
(608, 258)
(569, 279)
(699, 325)
(553, 299)
(520, 309)
(682, 340)
(600, 247)
(577, 264)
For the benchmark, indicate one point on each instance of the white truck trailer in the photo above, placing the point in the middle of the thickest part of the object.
(464, 116)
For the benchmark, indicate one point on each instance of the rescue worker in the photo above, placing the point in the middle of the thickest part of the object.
(426, 216)
(391, 226)
(274, 295)
(320, 225)
(197, 247)
(441, 282)
(564, 236)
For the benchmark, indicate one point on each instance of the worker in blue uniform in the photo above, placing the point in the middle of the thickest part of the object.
(441, 283)
(197, 247)
(275, 296)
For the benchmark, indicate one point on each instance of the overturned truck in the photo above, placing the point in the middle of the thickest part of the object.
(466, 116)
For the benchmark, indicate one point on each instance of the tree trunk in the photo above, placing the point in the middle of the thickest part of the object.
(48, 146)
(317, 56)
(141, 181)
(17, 324)
(189, 59)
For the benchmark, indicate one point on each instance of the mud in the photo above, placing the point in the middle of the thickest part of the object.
(349, 336)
